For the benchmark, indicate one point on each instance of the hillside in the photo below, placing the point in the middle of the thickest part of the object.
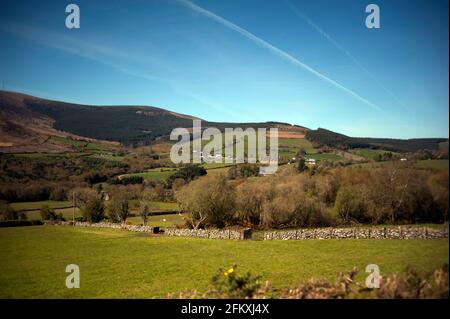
(332, 139)
(29, 123)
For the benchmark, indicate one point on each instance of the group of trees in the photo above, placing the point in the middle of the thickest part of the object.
(126, 180)
(48, 213)
(244, 170)
(337, 196)
(8, 213)
(115, 203)
(323, 195)
(53, 177)
(187, 173)
(322, 137)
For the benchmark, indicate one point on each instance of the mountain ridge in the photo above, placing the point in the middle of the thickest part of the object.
(27, 122)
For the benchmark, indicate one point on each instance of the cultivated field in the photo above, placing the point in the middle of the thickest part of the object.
(118, 264)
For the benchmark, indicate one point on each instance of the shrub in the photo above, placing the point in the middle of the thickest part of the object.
(227, 284)
(233, 285)
(187, 173)
(250, 198)
(7, 212)
(291, 207)
(301, 167)
(93, 210)
(128, 180)
(118, 208)
(47, 213)
(210, 201)
(17, 223)
(350, 204)
(243, 170)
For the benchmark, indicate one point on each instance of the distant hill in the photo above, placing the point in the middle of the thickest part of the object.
(28, 122)
(332, 139)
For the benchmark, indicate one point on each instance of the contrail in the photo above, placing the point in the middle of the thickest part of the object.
(282, 54)
(341, 48)
(103, 55)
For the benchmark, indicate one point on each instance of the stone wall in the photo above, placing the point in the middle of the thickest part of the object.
(136, 228)
(392, 232)
(211, 233)
(202, 233)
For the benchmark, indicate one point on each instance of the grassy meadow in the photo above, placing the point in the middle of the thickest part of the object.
(32, 210)
(164, 221)
(121, 264)
(159, 174)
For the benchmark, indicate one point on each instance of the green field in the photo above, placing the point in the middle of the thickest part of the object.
(296, 144)
(433, 164)
(39, 204)
(32, 209)
(325, 157)
(159, 174)
(162, 174)
(210, 166)
(121, 264)
(289, 147)
(156, 206)
(108, 157)
(64, 207)
(67, 213)
(40, 155)
(80, 144)
(369, 153)
(163, 221)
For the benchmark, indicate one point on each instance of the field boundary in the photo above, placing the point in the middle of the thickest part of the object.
(391, 232)
(135, 228)
(240, 234)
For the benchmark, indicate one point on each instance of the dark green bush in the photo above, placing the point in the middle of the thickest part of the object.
(17, 223)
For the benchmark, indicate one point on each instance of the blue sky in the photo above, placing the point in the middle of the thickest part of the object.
(312, 63)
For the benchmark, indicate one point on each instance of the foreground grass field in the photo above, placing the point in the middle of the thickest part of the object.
(116, 263)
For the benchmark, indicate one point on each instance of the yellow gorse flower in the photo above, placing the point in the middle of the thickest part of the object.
(228, 272)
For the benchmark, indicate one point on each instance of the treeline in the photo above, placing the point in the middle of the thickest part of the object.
(336, 196)
(139, 125)
(52, 177)
(323, 137)
(55, 168)
(30, 179)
